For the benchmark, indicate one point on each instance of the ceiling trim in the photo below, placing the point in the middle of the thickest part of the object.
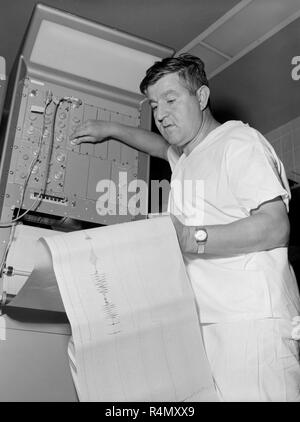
(215, 58)
(241, 5)
(256, 43)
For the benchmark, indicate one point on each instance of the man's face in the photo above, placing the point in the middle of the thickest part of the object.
(177, 113)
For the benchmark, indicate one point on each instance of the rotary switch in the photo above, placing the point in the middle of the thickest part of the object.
(58, 175)
(60, 157)
(60, 137)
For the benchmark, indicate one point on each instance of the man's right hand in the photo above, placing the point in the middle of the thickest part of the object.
(92, 131)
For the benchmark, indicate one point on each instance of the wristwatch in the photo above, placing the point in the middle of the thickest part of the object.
(201, 238)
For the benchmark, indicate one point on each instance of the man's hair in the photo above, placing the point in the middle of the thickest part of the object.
(190, 70)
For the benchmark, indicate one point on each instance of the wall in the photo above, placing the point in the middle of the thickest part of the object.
(286, 142)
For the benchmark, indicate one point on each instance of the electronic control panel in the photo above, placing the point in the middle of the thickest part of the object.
(50, 174)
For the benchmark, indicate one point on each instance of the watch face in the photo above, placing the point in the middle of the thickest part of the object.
(200, 235)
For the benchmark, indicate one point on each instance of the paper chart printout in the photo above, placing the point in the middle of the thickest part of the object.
(132, 311)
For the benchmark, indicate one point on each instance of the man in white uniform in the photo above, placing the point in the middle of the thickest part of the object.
(233, 230)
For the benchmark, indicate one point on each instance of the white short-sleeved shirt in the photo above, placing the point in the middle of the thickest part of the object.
(228, 174)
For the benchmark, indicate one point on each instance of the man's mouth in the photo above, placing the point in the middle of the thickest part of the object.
(166, 127)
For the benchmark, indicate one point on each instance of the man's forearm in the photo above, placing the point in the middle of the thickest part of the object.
(141, 139)
(251, 234)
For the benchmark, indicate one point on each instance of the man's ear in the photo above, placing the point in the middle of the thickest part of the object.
(203, 94)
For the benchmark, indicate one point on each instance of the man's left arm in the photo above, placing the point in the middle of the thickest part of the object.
(266, 228)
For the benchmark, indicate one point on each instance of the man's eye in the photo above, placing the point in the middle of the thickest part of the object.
(171, 100)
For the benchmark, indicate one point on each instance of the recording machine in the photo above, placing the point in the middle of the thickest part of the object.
(69, 70)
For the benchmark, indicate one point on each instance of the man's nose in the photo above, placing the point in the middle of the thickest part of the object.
(161, 112)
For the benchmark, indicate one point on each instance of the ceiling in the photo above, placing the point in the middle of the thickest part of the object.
(173, 23)
(247, 45)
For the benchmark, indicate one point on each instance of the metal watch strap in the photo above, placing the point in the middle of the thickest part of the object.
(201, 248)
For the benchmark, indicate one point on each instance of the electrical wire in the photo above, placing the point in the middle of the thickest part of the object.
(50, 150)
(4, 257)
(34, 161)
(57, 102)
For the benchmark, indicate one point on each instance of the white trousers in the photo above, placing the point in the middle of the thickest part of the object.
(254, 360)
